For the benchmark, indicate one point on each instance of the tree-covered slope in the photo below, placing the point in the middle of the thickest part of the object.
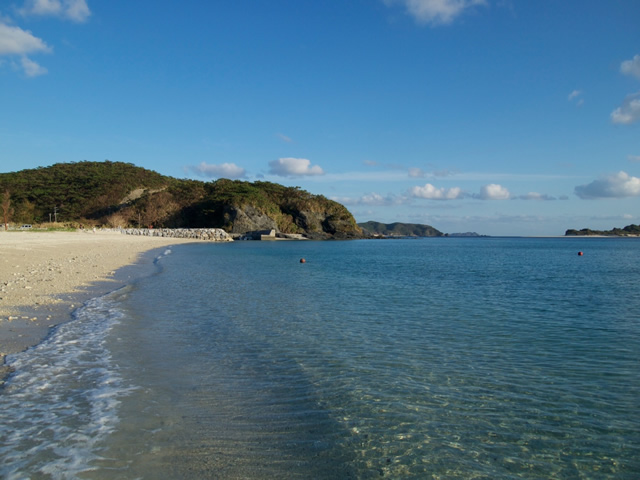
(74, 191)
(120, 195)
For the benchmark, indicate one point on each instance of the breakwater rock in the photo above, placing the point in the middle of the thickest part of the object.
(210, 234)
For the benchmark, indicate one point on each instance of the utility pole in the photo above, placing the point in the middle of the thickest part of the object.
(55, 213)
(49, 218)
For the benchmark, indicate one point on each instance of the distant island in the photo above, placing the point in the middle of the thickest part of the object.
(397, 229)
(628, 231)
(465, 234)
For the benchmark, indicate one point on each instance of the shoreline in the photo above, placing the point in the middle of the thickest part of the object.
(45, 276)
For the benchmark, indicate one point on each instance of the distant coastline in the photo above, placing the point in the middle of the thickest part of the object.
(465, 234)
(628, 231)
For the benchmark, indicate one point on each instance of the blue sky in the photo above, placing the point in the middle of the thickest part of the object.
(504, 117)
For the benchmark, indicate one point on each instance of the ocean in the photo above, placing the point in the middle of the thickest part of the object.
(439, 358)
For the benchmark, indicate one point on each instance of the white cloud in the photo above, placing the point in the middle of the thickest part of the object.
(432, 193)
(629, 111)
(31, 68)
(436, 12)
(574, 94)
(16, 41)
(618, 185)
(224, 170)
(634, 158)
(374, 199)
(294, 167)
(631, 67)
(493, 191)
(75, 10)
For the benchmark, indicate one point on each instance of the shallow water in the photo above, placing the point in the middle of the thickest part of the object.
(432, 358)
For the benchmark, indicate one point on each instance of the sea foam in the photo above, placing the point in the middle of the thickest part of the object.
(62, 398)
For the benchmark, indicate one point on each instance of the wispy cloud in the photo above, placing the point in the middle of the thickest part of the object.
(634, 158)
(284, 138)
(436, 12)
(576, 96)
(294, 167)
(494, 177)
(31, 68)
(415, 172)
(74, 10)
(223, 170)
(631, 67)
(629, 111)
(618, 185)
(537, 196)
(16, 41)
(372, 199)
(359, 176)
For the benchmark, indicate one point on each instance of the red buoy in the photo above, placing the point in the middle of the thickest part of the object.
(579, 254)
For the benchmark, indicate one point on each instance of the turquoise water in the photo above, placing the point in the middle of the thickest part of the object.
(490, 358)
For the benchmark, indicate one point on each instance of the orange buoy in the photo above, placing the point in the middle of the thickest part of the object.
(579, 254)
(302, 260)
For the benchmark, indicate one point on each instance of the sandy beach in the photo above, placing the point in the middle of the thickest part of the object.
(44, 276)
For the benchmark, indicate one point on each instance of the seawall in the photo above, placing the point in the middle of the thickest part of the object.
(209, 234)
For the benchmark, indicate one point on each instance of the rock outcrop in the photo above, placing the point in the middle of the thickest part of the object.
(248, 219)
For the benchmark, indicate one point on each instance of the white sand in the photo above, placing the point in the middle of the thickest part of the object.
(44, 274)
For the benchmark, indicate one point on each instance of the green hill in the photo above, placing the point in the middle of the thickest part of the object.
(399, 229)
(119, 194)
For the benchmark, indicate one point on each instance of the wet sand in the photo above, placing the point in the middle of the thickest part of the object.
(44, 276)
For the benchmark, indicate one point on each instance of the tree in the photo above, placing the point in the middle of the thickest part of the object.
(24, 212)
(6, 208)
